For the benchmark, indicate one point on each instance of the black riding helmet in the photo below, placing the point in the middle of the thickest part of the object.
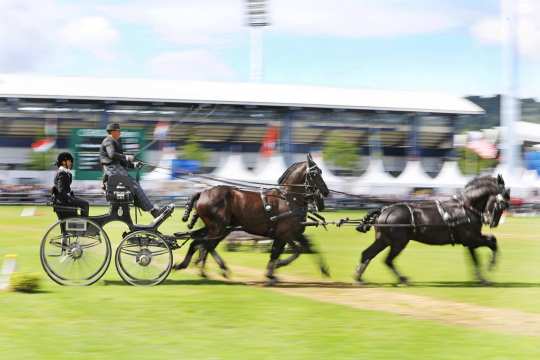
(63, 156)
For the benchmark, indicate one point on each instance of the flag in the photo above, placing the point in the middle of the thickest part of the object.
(483, 148)
(270, 141)
(43, 145)
(161, 130)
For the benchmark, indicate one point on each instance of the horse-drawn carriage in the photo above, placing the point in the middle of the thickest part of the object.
(77, 251)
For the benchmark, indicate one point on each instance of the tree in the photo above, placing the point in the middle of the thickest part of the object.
(340, 152)
(471, 164)
(42, 160)
(192, 150)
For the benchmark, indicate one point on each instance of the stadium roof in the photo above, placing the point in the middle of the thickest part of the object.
(171, 91)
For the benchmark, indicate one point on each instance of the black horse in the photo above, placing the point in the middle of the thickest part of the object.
(278, 213)
(456, 221)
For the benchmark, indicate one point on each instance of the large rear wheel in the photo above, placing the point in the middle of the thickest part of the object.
(143, 258)
(75, 251)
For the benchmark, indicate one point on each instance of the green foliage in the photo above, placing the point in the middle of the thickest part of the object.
(192, 150)
(42, 160)
(471, 164)
(25, 282)
(339, 152)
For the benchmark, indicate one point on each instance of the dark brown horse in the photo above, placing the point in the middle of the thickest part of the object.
(456, 221)
(277, 213)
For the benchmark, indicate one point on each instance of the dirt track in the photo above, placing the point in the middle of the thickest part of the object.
(414, 306)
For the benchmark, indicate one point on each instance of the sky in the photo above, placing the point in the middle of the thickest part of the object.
(451, 46)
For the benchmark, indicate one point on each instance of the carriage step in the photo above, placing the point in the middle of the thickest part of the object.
(182, 235)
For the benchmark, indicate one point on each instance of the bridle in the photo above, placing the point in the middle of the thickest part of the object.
(312, 191)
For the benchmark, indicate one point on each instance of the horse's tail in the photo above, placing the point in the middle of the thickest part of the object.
(368, 220)
(189, 206)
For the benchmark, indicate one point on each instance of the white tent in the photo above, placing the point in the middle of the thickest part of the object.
(233, 168)
(375, 180)
(334, 182)
(450, 177)
(268, 170)
(414, 176)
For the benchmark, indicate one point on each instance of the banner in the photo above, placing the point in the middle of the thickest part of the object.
(270, 141)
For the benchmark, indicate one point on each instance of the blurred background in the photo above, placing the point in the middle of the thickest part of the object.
(395, 99)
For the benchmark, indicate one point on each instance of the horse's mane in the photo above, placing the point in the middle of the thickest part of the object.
(481, 185)
(289, 171)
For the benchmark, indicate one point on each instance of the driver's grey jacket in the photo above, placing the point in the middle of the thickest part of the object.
(111, 156)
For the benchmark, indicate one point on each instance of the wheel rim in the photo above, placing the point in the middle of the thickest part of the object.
(143, 258)
(75, 257)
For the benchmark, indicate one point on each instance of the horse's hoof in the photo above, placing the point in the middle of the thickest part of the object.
(271, 281)
(203, 274)
(403, 280)
(485, 282)
(226, 273)
(177, 267)
(358, 279)
(325, 271)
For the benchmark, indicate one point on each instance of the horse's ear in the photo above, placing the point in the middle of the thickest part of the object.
(310, 159)
(500, 180)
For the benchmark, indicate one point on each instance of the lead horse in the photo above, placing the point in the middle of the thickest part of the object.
(456, 221)
(279, 213)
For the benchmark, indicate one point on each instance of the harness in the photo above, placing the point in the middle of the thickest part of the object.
(298, 211)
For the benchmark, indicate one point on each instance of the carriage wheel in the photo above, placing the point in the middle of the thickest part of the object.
(75, 251)
(143, 258)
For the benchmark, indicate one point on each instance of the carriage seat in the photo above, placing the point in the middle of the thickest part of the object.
(116, 191)
(61, 209)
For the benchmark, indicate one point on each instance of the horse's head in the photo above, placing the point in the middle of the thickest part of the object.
(314, 177)
(489, 196)
(495, 207)
(308, 174)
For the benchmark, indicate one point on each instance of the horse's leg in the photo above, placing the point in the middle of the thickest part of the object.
(225, 271)
(201, 261)
(491, 242)
(369, 253)
(485, 240)
(191, 251)
(306, 245)
(396, 247)
(478, 273)
(277, 249)
(296, 253)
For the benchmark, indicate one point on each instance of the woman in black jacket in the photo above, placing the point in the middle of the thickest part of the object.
(62, 185)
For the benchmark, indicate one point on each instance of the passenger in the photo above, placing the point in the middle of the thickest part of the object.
(62, 185)
(115, 162)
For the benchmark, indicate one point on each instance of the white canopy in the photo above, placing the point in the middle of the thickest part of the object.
(414, 176)
(233, 168)
(32, 86)
(375, 180)
(450, 176)
(269, 169)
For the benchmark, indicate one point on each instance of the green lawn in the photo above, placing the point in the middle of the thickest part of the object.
(191, 318)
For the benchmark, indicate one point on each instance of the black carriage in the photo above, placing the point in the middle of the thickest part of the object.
(76, 250)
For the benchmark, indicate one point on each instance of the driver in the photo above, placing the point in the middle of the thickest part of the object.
(62, 184)
(114, 162)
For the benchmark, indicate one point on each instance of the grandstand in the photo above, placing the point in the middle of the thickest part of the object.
(232, 116)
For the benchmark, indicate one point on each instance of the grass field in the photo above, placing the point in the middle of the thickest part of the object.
(189, 317)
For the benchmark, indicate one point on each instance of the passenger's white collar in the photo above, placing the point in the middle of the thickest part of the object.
(61, 168)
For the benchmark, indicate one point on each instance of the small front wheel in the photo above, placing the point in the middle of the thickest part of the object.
(75, 251)
(143, 258)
